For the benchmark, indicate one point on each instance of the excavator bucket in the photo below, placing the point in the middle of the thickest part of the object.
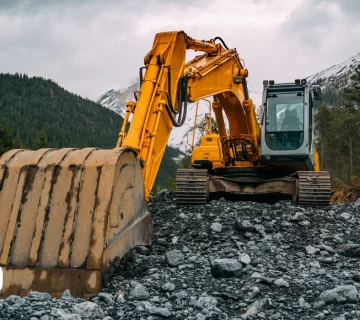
(67, 218)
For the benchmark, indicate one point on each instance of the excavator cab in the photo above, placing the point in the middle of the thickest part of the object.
(284, 123)
(287, 140)
(287, 128)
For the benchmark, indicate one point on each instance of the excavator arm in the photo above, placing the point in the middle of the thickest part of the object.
(68, 216)
(169, 84)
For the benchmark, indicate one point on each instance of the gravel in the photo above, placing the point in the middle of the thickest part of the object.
(226, 260)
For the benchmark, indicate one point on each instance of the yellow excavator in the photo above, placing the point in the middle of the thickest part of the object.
(68, 216)
(278, 162)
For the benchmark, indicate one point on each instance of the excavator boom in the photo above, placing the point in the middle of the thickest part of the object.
(169, 84)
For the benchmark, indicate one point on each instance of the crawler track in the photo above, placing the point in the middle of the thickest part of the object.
(314, 188)
(192, 186)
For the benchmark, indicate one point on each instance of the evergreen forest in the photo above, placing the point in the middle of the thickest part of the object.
(338, 136)
(37, 113)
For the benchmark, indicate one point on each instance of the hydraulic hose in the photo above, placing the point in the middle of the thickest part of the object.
(182, 100)
(169, 90)
(222, 41)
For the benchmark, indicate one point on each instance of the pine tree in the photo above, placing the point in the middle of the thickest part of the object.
(18, 144)
(41, 140)
(352, 93)
(5, 137)
(203, 126)
(323, 119)
(339, 140)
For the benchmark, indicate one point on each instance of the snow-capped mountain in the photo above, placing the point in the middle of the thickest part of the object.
(180, 137)
(115, 100)
(336, 75)
(331, 81)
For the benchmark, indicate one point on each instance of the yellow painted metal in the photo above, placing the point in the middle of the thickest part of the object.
(210, 74)
(69, 214)
(208, 121)
(151, 127)
(130, 107)
(194, 129)
(214, 76)
(192, 145)
(209, 149)
(201, 45)
(316, 160)
(219, 119)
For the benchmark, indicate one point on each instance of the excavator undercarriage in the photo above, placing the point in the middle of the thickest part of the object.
(198, 186)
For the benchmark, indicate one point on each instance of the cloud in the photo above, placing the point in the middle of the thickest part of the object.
(320, 34)
(92, 46)
(351, 8)
(310, 23)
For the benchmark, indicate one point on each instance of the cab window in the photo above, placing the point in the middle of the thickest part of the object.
(284, 119)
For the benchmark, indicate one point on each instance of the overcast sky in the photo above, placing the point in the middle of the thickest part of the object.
(90, 46)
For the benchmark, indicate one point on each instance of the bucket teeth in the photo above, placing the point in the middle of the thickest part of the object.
(66, 216)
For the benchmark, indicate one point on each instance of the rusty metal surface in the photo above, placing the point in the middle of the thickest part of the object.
(314, 188)
(191, 186)
(265, 190)
(20, 281)
(272, 186)
(68, 214)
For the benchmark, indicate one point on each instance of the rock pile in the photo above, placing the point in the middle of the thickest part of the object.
(226, 260)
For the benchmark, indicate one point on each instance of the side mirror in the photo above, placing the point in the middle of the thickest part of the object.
(317, 94)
